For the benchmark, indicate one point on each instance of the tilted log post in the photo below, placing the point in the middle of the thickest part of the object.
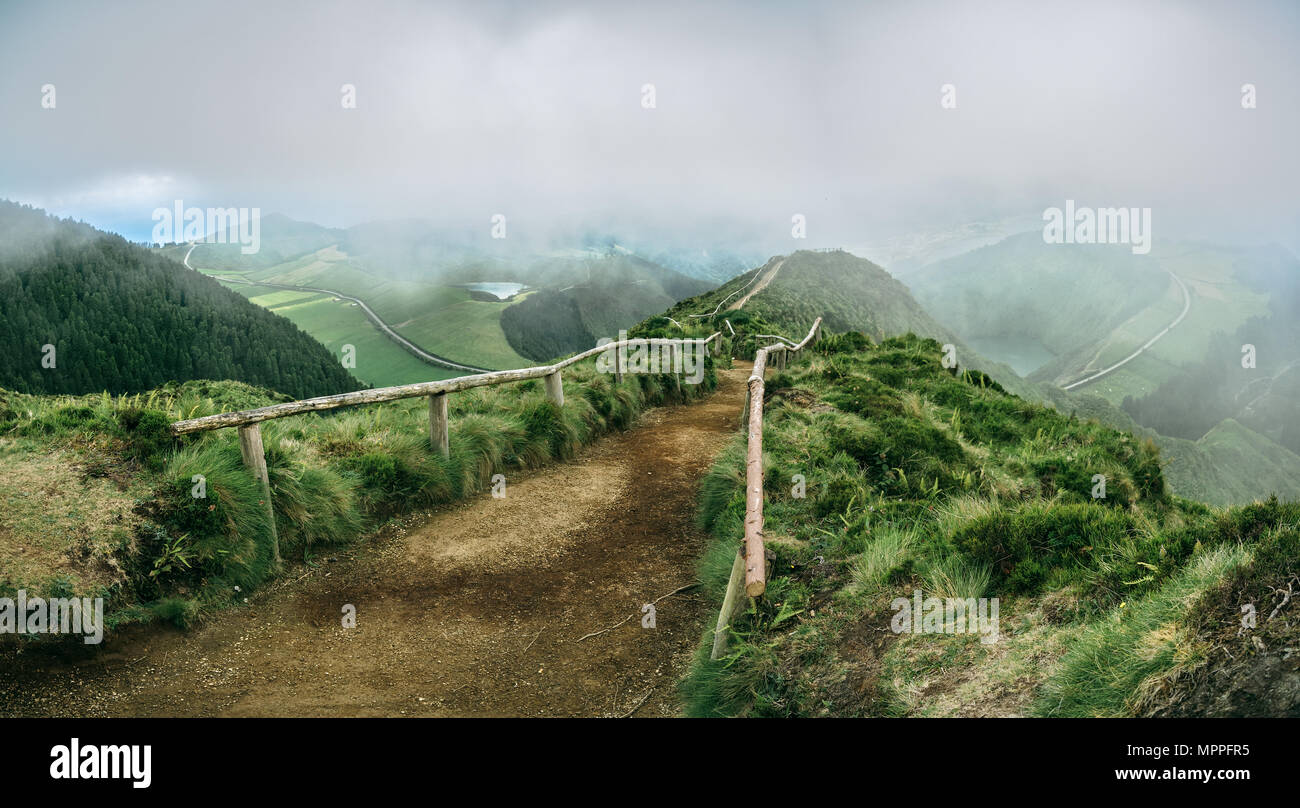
(731, 604)
(250, 446)
(439, 439)
(674, 367)
(755, 563)
(554, 388)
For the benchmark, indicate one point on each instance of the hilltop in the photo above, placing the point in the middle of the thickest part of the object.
(121, 318)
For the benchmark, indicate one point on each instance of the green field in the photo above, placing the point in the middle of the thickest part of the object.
(443, 320)
(335, 323)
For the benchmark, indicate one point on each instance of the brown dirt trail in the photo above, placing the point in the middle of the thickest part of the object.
(476, 609)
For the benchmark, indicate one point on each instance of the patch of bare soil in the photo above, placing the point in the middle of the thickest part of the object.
(758, 287)
(1246, 673)
(530, 605)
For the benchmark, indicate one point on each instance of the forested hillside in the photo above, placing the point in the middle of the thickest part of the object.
(122, 318)
(588, 298)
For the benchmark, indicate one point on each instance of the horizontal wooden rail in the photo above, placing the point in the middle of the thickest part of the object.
(248, 421)
(243, 417)
(750, 567)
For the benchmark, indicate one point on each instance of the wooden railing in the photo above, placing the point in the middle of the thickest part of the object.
(250, 437)
(749, 570)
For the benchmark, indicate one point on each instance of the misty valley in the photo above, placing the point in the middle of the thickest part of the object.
(563, 360)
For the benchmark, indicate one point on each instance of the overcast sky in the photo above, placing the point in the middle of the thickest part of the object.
(762, 111)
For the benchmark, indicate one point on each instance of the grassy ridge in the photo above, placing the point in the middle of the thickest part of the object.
(918, 480)
(193, 536)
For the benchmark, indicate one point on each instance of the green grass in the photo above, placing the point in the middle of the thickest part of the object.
(920, 480)
(380, 362)
(1114, 666)
(441, 319)
(188, 533)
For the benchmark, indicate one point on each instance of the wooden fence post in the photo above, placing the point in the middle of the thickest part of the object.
(731, 604)
(438, 436)
(554, 389)
(674, 369)
(250, 446)
(755, 563)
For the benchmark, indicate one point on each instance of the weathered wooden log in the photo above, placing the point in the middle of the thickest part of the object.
(250, 446)
(675, 367)
(229, 419)
(439, 437)
(554, 388)
(731, 604)
(755, 563)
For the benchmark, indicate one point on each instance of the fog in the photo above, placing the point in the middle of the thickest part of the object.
(761, 112)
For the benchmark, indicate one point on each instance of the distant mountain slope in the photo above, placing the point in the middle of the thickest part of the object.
(1060, 297)
(1231, 464)
(1059, 311)
(1235, 464)
(1063, 312)
(849, 293)
(588, 298)
(281, 239)
(123, 318)
(416, 278)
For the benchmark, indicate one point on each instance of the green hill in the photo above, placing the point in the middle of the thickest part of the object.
(586, 298)
(419, 281)
(1058, 312)
(921, 485)
(1039, 304)
(123, 318)
(850, 293)
(1232, 463)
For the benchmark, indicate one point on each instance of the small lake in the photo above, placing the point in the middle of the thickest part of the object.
(1023, 354)
(502, 291)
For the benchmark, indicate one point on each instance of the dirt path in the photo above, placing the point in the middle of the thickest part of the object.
(473, 610)
(758, 287)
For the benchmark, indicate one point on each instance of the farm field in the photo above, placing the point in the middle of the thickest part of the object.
(335, 323)
(443, 320)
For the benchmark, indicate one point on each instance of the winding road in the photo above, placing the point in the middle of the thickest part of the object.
(416, 350)
(1187, 304)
